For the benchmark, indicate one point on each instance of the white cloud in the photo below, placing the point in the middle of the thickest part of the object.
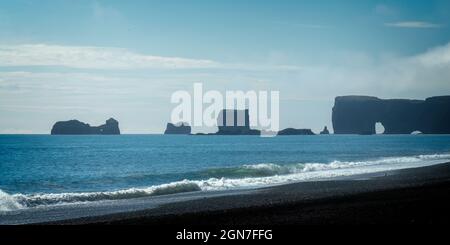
(418, 76)
(133, 96)
(413, 24)
(91, 57)
(423, 74)
(78, 84)
(107, 58)
(436, 57)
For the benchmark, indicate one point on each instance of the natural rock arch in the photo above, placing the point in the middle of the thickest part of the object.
(359, 114)
(379, 128)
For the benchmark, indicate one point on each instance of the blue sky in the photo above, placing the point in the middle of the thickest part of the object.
(94, 59)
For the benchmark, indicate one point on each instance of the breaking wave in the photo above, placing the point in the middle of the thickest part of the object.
(245, 176)
(270, 169)
(43, 199)
(8, 202)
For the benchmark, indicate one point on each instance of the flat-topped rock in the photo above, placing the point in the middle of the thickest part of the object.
(240, 125)
(295, 131)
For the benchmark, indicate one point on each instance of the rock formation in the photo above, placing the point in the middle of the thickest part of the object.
(238, 123)
(76, 127)
(179, 128)
(325, 131)
(294, 131)
(359, 114)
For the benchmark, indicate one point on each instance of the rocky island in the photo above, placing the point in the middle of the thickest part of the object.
(294, 131)
(75, 127)
(179, 128)
(234, 127)
(359, 114)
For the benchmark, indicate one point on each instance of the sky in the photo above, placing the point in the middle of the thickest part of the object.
(92, 60)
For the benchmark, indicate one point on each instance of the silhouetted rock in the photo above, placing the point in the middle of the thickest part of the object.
(325, 131)
(359, 114)
(111, 127)
(294, 131)
(179, 128)
(77, 127)
(240, 125)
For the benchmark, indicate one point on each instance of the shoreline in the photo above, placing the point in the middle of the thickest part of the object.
(415, 195)
(307, 202)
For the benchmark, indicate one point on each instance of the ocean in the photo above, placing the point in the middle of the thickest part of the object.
(46, 170)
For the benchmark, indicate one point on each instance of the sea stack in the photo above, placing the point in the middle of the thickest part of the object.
(238, 123)
(359, 114)
(75, 127)
(325, 131)
(294, 131)
(179, 128)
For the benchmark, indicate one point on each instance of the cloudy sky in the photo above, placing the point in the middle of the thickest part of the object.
(92, 60)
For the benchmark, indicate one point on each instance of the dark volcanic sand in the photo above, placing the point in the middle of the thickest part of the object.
(419, 195)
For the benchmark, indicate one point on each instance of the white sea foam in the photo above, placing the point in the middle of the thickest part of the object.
(8, 202)
(273, 174)
(40, 199)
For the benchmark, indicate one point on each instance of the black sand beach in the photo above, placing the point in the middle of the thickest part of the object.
(409, 196)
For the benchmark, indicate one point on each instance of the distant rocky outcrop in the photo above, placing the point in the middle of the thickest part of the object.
(325, 131)
(359, 114)
(180, 128)
(76, 127)
(240, 125)
(294, 131)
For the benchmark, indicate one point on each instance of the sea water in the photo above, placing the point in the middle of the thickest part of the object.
(40, 170)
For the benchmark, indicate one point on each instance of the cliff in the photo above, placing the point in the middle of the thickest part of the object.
(181, 128)
(294, 131)
(238, 123)
(359, 114)
(76, 127)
